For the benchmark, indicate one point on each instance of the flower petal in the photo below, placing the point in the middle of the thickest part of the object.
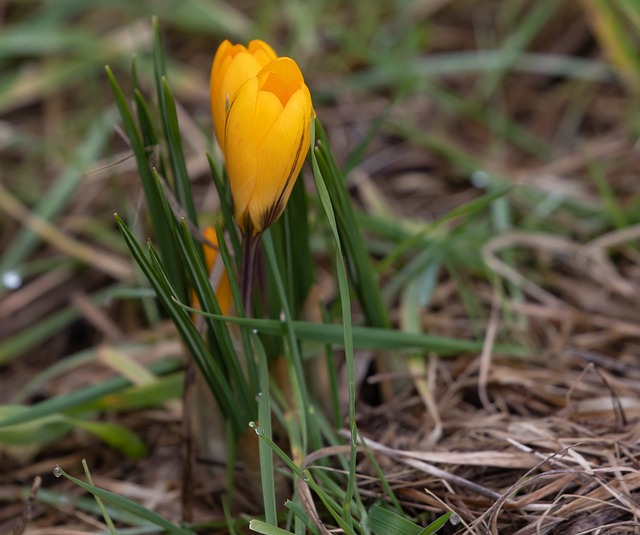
(280, 155)
(240, 147)
(232, 66)
(262, 51)
(266, 137)
(268, 109)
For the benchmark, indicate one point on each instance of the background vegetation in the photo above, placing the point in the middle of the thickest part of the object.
(490, 152)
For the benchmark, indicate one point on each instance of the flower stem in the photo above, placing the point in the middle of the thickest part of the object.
(249, 248)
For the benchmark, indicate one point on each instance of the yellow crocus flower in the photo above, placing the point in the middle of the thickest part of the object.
(266, 139)
(232, 66)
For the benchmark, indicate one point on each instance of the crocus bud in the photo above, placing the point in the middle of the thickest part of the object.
(266, 139)
(232, 66)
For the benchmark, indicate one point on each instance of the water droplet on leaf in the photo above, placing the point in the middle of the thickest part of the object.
(11, 280)
(480, 179)
(57, 471)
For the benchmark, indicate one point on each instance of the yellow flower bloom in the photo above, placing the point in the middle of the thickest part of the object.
(232, 66)
(266, 139)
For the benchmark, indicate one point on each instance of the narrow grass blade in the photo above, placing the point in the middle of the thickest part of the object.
(39, 432)
(29, 38)
(126, 505)
(301, 516)
(155, 394)
(224, 194)
(59, 500)
(103, 509)
(57, 197)
(31, 434)
(181, 183)
(612, 206)
(616, 40)
(366, 337)
(76, 399)
(631, 9)
(166, 294)
(332, 506)
(210, 366)
(158, 216)
(367, 284)
(384, 522)
(169, 116)
(206, 18)
(194, 266)
(300, 267)
(116, 436)
(230, 267)
(298, 382)
(266, 529)
(459, 63)
(381, 477)
(18, 344)
(419, 240)
(438, 523)
(267, 470)
(347, 231)
(519, 39)
(150, 139)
